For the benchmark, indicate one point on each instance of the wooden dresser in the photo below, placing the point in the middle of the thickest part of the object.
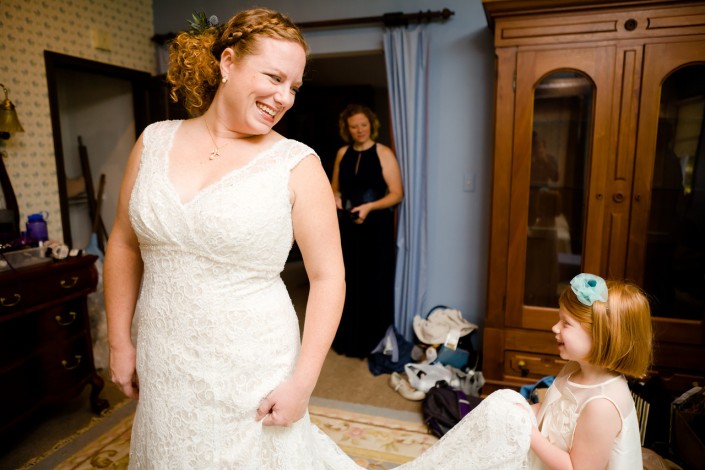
(598, 166)
(46, 352)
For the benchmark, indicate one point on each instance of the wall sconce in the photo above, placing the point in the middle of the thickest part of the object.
(10, 214)
(8, 117)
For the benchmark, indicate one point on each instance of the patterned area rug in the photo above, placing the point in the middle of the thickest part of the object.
(374, 442)
(110, 450)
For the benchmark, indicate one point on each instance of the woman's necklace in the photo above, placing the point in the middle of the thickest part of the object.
(216, 150)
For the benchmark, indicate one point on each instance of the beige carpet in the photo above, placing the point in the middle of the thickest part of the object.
(373, 441)
(348, 379)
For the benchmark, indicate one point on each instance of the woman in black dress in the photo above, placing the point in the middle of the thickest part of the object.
(367, 184)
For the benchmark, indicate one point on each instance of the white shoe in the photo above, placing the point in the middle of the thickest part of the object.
(404, 388)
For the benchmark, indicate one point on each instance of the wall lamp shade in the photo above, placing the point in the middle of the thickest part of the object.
(8, 117)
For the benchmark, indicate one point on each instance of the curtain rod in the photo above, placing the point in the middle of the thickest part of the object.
(387, 19)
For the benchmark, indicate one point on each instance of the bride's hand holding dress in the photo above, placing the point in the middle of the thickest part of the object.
(285, 405)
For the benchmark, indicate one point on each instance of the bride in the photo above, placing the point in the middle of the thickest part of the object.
(208, 210)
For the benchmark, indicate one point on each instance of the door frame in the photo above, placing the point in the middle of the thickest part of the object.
(54, 62)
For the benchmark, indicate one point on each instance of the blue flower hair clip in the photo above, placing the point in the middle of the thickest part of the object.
(588, 288)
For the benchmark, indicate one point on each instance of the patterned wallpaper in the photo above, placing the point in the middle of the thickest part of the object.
(27, 28)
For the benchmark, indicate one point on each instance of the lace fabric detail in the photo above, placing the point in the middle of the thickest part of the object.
(495, 435)
(217, 330)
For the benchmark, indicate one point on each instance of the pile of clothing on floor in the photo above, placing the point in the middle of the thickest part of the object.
(438, 367)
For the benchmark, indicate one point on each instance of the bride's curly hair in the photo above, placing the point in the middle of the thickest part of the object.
(194, 57)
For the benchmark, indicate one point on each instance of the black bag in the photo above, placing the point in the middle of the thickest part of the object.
(445, 406)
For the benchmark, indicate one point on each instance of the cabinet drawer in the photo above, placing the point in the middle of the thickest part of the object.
(10, 298)
(61, 322)
(27, 288)
(534, 366)
(66, 365)
(21, 336)
(58, 285)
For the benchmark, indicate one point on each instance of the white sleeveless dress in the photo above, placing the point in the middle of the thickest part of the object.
(565, 400)
(217, 330)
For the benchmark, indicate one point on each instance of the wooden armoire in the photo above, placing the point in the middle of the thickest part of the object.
(598, 166)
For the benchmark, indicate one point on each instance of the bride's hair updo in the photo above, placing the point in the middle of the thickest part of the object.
(194, 56)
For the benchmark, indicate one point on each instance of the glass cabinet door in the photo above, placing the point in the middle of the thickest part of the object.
(560, 151)
(667, 252)
(563, 106)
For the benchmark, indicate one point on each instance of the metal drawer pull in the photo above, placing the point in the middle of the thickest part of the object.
(66, 285)
(76, 364)
(68, 322)
(522, 368)
(10, 304)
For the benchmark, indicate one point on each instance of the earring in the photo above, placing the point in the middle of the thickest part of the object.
(225, 79)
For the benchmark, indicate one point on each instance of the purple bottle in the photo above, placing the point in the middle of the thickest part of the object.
(36, 228)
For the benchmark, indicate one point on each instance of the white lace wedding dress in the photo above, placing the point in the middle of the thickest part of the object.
(217, 330)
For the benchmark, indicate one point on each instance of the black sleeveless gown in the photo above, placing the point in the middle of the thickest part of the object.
(369, 255)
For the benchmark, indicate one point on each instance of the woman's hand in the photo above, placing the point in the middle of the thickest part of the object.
(285, 405)
(123, 370)
(362, 212)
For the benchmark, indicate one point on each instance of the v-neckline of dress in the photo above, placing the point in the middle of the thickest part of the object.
(209, 187)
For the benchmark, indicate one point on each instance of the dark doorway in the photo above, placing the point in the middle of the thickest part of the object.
(330, 84)
(102, 103)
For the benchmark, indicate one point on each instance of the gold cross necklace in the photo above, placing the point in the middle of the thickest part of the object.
(216, 150)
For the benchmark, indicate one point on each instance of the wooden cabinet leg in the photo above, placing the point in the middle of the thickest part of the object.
(97, 404)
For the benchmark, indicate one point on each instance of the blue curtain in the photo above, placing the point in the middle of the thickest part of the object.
(406, 55)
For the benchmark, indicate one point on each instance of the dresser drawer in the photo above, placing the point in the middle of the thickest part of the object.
(59, 285)
(61, 322)
(34, 286)
(531, 365)
(66, 365)
(22, 336)
(10, 297)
